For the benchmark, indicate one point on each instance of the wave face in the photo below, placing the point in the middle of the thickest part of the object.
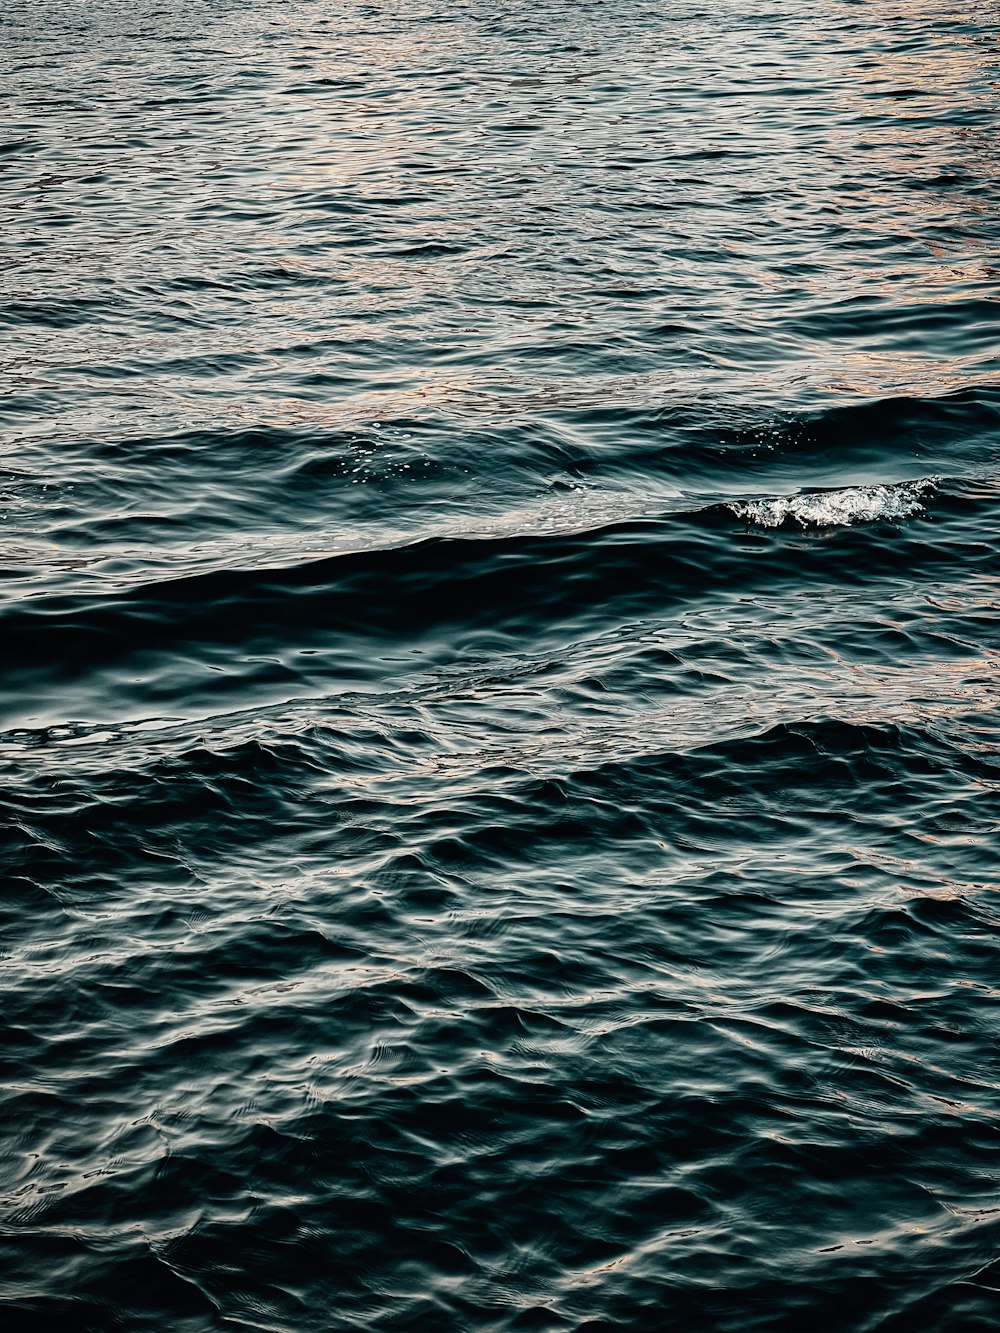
(499, 524)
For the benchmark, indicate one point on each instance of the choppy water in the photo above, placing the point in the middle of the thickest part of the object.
(499, 535)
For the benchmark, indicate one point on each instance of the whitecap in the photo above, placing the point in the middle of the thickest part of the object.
(831, 509)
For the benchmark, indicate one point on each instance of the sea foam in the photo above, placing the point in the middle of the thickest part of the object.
(841, 508)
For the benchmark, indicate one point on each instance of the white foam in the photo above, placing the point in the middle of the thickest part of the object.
(833, 509)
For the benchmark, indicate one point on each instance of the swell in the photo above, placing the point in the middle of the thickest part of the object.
(123, 511)
(516, 583)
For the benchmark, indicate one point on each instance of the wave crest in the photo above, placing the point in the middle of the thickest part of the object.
(840, 508)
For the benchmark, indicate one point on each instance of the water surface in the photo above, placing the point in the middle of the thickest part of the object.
(500, 624)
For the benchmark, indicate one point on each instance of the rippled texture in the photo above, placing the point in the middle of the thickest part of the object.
(499, 534)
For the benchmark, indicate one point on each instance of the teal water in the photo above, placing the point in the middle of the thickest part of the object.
(498, 530)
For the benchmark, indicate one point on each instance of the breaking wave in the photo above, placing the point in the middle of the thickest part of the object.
(840, 508)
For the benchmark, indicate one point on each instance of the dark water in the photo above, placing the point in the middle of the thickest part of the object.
(501, 644)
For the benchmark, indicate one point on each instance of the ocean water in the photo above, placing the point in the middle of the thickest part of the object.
(499, 523)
